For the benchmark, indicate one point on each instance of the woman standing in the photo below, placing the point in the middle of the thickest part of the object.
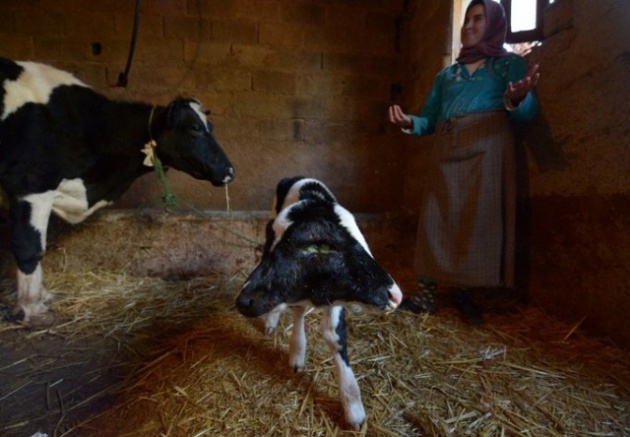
(466, 226)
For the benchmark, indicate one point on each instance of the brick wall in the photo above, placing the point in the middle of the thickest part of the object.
(294, 86)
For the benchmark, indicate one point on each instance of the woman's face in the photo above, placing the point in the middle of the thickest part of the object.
(474, 26)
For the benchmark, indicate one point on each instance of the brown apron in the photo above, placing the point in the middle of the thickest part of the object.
(466, 224)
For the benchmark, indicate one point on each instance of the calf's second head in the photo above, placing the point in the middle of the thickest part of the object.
(312, 256)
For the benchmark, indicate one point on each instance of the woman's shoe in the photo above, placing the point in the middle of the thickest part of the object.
(424, 300)
(419, 303)
(466, 307)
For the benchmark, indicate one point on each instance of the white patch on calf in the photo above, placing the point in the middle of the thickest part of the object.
(280, 224)
(348, 222)
(293, 195)
(349, 390)
(281, 221)
(397, 297)
(330, 321)
(297, 345)
(350, 394)
(272, 317)
(34, 85)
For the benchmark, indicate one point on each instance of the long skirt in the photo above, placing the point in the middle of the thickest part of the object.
(466, 230)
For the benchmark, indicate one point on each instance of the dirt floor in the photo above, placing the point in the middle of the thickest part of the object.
(132, 356)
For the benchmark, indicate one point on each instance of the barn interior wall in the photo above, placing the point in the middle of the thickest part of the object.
(295, 87)
(301, 87)
(577, 153)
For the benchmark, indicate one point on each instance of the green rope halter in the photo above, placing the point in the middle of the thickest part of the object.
(152, 160)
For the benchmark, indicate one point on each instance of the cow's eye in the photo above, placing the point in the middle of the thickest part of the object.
(196, 128)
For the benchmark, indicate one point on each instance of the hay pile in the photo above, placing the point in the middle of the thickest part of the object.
(187, 364)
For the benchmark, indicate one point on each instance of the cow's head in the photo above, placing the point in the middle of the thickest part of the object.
(186, 143)
(314, 254)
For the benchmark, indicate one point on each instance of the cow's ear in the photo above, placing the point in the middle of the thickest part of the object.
(172, 112)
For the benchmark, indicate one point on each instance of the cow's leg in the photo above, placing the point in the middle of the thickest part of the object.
(334, 331)
(29, 224)
(297, 346)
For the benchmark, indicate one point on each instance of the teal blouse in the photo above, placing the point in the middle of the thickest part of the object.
(455, 92)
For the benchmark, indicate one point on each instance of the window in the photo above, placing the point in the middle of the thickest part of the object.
(525, 19)
(525, 23)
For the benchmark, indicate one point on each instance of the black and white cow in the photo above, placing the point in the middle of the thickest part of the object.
(68, 150)
(316, 256)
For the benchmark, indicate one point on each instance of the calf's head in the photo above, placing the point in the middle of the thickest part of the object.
(185, 142)
(312, 256)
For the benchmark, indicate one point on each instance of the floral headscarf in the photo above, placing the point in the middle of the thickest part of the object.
(491, 45)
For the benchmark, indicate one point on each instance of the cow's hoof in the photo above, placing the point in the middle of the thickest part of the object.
(39, 321)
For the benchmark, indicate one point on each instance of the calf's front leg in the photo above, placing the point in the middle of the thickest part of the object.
(297, 345)
(334, 331)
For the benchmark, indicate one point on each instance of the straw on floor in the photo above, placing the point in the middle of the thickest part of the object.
(187, 364)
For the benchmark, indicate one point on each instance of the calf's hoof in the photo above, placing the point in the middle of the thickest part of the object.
(356, 418)
(297, 363)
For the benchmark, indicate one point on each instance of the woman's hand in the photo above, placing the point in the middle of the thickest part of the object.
(517, 92)
(398, 117)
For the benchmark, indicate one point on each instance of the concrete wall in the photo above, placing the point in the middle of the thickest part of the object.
(294, 86)
(574, 157)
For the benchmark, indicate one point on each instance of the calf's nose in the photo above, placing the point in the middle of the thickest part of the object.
(395, 294)
(244, 304)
